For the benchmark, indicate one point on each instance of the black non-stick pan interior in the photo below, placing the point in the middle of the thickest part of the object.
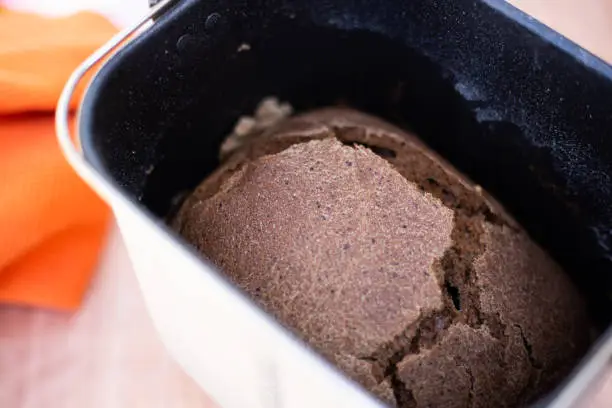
(522, 111)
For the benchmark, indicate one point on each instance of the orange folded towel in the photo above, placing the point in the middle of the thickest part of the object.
(51, 224)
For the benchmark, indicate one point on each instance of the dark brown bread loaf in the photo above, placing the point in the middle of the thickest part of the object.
(388, 262)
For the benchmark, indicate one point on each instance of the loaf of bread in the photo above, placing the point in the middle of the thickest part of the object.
(388, 262)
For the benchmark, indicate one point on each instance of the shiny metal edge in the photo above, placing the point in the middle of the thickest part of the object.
(578, 388)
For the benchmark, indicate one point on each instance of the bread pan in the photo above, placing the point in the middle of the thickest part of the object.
(514, 105)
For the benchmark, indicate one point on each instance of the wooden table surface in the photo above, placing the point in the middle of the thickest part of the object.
(107, 355)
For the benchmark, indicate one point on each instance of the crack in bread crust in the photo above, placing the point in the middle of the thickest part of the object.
(455, 271)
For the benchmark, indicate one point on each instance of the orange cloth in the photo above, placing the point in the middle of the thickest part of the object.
(51, 224)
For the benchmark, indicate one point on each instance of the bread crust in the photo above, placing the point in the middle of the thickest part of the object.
(389, 262)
